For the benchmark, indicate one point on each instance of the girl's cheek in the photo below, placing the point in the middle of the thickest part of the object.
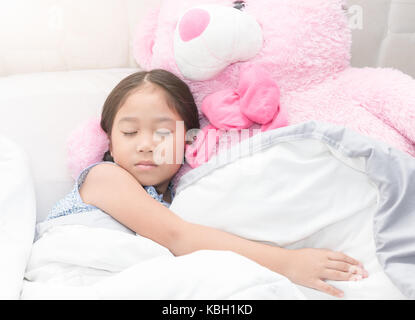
(179, 151)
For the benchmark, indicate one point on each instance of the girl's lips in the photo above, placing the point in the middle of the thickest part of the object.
(146, 166)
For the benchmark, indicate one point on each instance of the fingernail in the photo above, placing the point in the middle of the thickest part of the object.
(340, 295)
(354, 269)
(356, 277)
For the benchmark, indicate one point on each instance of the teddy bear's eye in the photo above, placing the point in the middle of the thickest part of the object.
(239, 5)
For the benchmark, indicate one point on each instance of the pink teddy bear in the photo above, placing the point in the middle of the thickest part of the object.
(255, 102)
(225, 51)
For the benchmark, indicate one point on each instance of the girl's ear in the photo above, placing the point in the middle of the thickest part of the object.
(144, 39)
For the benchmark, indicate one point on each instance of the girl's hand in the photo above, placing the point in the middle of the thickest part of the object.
(310, 267)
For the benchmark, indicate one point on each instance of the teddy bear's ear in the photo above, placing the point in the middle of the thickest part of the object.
(144, 38)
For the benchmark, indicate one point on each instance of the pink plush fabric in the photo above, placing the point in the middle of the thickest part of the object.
(86, 145)
(144, 41)
(256, 100)
(306, 51)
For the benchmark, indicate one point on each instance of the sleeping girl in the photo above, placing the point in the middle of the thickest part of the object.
(132, 185)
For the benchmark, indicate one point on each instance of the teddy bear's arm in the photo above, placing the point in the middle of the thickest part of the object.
(389, 95)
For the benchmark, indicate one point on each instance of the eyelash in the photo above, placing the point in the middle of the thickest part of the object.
(129, 133)
(132, 133)
(164, 133)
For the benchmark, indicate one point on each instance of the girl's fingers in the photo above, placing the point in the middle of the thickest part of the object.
(326, 288)
(339, 256)
(330, 274)
(359, 271)
(346, 267)
(342, 262)
(339, 265)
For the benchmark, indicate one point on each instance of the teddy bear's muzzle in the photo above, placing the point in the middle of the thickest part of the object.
(211, 37)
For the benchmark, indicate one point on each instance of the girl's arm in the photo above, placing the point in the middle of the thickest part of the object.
(115, 191)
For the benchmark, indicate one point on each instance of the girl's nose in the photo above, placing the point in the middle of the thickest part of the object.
(193, 23)
(144, 148)
(145, 144)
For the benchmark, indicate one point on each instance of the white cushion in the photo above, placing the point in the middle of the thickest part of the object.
(40, 110)
(383, 33)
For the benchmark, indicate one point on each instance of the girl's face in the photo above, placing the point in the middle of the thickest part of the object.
(146, 129)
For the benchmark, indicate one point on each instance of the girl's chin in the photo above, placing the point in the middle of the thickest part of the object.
(146, 178)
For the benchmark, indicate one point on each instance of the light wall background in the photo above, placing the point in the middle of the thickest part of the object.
(60, 35)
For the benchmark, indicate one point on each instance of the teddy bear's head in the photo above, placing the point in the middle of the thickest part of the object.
(205, 42)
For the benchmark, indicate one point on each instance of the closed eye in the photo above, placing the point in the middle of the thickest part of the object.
(163, 133)
(129, 133)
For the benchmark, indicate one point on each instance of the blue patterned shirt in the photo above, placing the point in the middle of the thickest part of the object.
(72, 202)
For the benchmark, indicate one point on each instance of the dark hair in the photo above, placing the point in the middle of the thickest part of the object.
(179, 96)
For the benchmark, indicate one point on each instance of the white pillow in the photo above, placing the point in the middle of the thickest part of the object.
(17, 217)
(40, 110)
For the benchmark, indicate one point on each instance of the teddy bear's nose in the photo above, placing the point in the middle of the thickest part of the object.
(193, 23)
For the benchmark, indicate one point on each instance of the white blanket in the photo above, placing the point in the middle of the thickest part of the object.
(293, 192)
(310, 185)
(81, 262)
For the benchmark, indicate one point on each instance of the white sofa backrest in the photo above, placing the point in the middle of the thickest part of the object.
(61, 35)
(386, 35)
